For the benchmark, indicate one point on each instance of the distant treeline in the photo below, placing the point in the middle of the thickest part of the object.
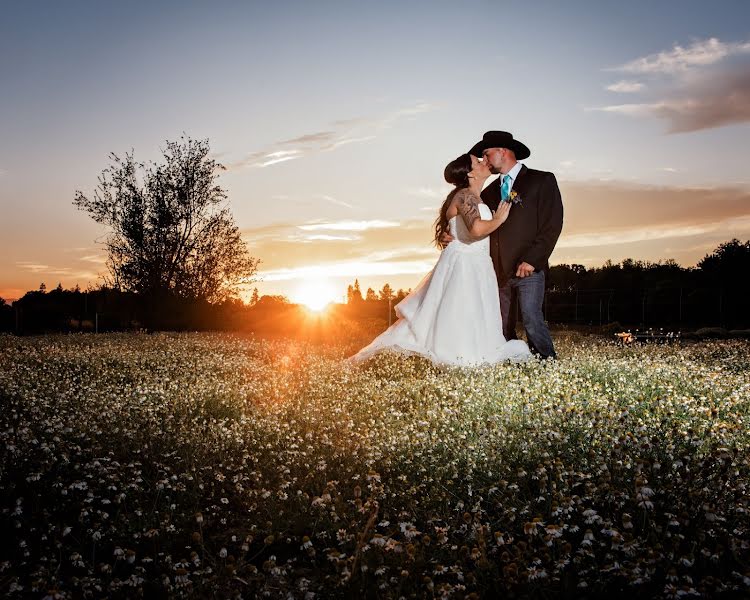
(108, 310)
(631, 294)
(662, 294)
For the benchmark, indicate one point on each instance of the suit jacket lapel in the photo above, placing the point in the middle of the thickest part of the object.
(519, 182)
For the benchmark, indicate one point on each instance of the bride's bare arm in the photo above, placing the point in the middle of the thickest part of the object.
(468, 208)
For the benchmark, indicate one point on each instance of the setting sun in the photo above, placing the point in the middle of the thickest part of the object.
(315, 295)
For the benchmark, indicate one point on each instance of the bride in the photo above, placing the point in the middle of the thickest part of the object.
(453, 315)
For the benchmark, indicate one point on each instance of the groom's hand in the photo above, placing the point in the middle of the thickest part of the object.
(524, 270)
(445, 239)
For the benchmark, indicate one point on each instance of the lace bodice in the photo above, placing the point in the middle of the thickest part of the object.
(462, 236)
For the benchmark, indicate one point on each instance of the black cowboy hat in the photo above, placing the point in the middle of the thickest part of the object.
(500, 139)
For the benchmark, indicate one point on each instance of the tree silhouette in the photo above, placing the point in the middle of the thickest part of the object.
(6, 315)
(400, 295)
(169, 230)
(354, 293)
(731, 257)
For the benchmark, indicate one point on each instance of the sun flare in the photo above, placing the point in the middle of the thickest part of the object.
(315, 295)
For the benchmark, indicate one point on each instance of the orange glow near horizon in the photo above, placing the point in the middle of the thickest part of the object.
(315, 295)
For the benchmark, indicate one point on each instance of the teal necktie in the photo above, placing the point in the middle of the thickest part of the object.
(505, 187)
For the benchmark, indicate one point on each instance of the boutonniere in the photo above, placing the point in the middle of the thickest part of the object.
(514, 198)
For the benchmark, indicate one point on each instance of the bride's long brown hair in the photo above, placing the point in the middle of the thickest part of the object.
(456, 173)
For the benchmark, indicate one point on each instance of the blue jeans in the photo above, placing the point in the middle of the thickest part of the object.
(527, 293)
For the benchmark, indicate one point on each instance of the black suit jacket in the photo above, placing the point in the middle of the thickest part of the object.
(533, 226)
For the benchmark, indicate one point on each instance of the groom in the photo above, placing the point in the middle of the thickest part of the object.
(521, 248)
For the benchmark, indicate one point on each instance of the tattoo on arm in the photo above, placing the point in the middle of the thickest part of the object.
(469, 209)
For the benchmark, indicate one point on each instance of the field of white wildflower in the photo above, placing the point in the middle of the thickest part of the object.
(219, 465)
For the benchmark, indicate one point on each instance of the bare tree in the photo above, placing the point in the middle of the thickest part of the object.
(170, 229)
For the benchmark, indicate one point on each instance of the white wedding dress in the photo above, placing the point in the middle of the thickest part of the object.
(453, 315)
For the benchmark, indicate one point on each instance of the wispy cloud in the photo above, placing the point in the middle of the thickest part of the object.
(409, 112)
(705, 85)
(324, 237)
(348, 225)
(44, 269)
(401, 253)
(342, 132)
(87, 249)
(98, 259)
(353, 122)
(350, 268)
(700, 53)
(33, 267)
(334, 201)
(283, 240)
(634, 110)
(626, 87)
(276, 161)
(704, 104)
(280, 156)
(345, 141)
(322, 136)
(630, 236)
(433, 193)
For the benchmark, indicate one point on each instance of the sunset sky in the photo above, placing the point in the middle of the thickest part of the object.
(335, 121)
